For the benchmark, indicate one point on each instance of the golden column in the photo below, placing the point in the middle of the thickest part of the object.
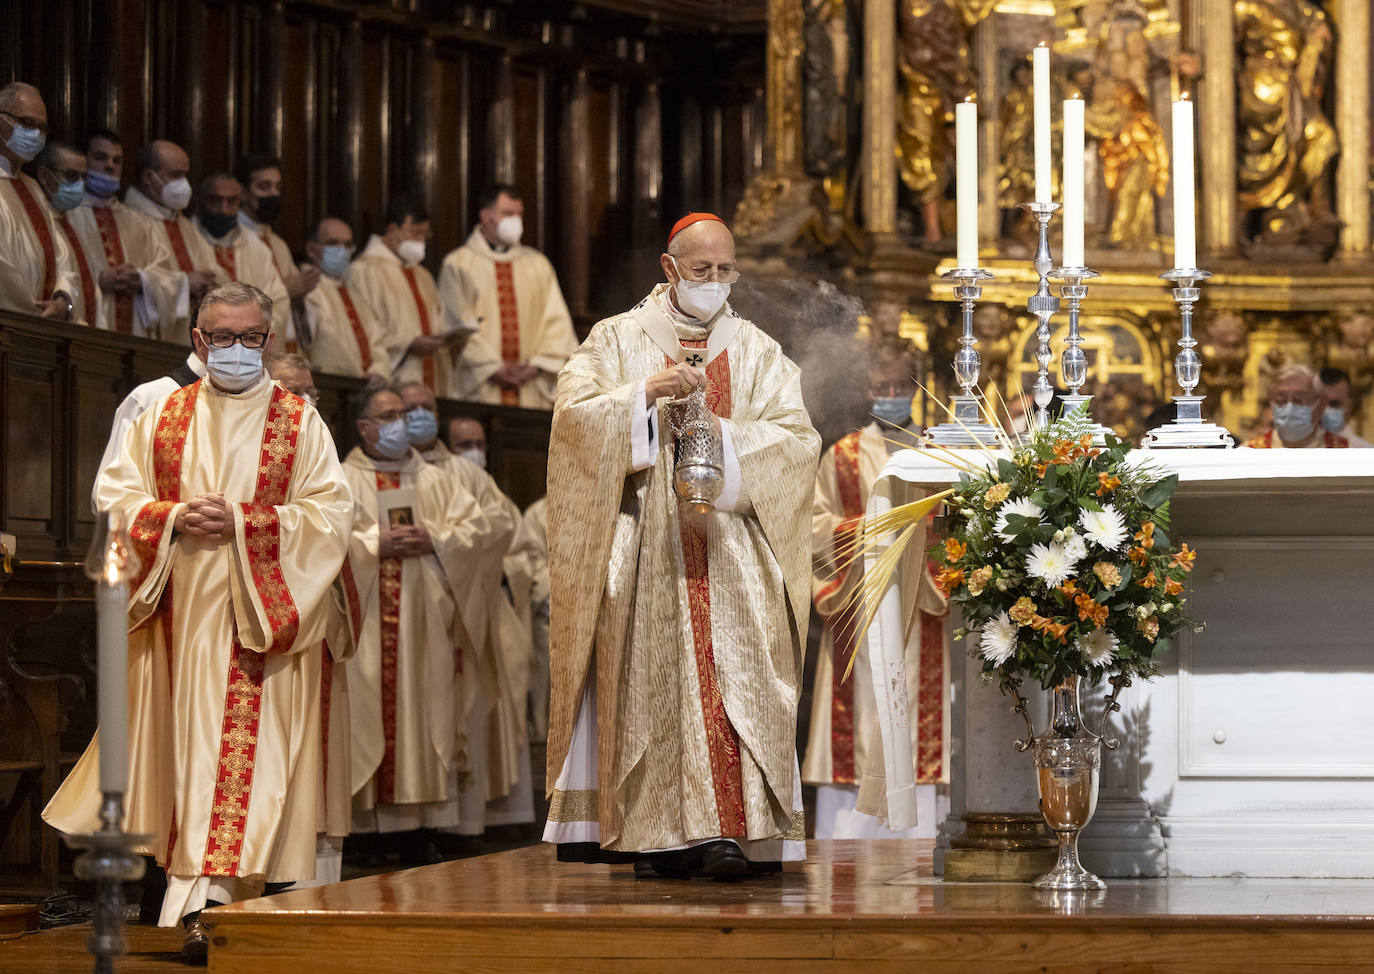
(880, 117)
(1352, 122)
(784, 95)
(1217, 94)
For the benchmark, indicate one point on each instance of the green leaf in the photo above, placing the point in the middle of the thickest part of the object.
(1051, 476)
(1156, 494)
(1006, 471)
(1161, 539)
(1088, 504)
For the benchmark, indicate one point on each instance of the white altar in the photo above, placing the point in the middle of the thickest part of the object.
(1253, 752)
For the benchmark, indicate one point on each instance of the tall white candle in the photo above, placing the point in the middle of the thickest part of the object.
(966, 182)
(1040, 65)
(1073, 183)
(1185, 230)
(112, 683)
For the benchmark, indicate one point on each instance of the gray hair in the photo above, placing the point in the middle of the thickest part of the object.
(286, 362)
(1297, 370)
(235, 294)
(362, 400)
(11, 93)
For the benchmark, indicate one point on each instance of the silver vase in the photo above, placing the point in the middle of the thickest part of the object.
(1068, 762)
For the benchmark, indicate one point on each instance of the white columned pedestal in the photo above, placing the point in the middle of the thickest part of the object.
(1253, 751)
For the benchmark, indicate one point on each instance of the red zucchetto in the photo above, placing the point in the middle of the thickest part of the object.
(688, 220)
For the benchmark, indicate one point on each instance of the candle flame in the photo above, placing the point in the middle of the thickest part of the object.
(1076, 96)
(970, 98)
(1043, 44)
(1183, 97)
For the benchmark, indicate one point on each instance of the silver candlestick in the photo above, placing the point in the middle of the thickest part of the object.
(966, 427)
(108, 860)
(1044, 305)
(1188, 428)
(1073, 364)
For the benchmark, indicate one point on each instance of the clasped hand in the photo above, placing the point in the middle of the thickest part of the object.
(677, 381)
(206, 516)
(406, 541)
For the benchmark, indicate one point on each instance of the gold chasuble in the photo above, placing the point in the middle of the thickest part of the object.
(225, 636)
(676, 642)
(421, 619)
(844, 737)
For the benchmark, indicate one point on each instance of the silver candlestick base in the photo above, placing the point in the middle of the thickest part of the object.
(1073, 364)
(1188, 430)
(1044, 305)
(108, 859)
(966, 427)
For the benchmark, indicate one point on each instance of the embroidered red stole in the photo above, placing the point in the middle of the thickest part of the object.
(510, 325)
(722, 742)
(89, 295)
(34, 210)
(114, 256)
(425, 326)
(225, 257)
(356, 323)
(179, 248)
(389, 604)
(842, 768)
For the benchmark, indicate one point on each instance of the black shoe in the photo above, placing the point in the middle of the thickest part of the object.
(661, 866)
(722, 860)
(764, 867)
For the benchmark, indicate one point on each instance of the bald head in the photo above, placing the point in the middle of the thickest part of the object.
(330, 232)
(468, 439)
(706, 234)
(418, 395)
(17, 98)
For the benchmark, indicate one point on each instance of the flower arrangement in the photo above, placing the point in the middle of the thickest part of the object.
(1060, 562)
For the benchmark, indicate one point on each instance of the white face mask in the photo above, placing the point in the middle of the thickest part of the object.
(476, 456)
(700, 299)
(411, 252)
(176, 195)
(510, 230)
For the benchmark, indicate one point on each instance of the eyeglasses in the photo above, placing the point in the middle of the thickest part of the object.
(349, 247)
(888, 389)
(311, 395)
(27, 121)
(68, 175)
(699, 272)
(225, 339)
(1284, 398)
(390, 416)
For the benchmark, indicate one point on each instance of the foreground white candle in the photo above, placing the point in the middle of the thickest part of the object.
(112, 682)
(1073, 182)
(1040, 69)
(966, 182)
(1185, 230)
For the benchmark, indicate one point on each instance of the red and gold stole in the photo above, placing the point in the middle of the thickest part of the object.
(356, 323)
(842, 770)
(34, 210)
(114, 256)
(224, 256)
(89, 295)
(425, 326)
(510, 325)
(179, 248)
(722, 742)
(389, 604)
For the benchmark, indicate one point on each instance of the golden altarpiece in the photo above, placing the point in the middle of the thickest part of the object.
(858, 188)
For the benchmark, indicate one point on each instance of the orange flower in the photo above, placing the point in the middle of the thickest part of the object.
(1088, 609)
(1138, 555)
(1069, 587)
(1184, 558)
(1172, 587)
(1040, 468)
(1149, 581)
(1146, 534)
(1150, 627)
(1063, 453)
(1023, 611)
(954, 550)
(1106, 483)
(949, 579)
(1059, 630)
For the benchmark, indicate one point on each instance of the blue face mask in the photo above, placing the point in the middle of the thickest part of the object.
(1293, 421)
(334, 261)
(892, 409)
(234, 368)
(422, 426)
(101, 184)
(68, 196)
(25, 142)
(1333, 420)
(393, 442)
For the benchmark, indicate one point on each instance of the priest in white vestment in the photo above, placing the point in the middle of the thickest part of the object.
(390, 280)
(498, 790)
(240, 517)
(60, 171)
(417, 534)
(240, 254)
(160, 193)
(844, 740)
(1297, 399)
(338, 332)
(510, 292)
(37, 272)
(676, 641)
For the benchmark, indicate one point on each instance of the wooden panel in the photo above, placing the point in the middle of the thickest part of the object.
(299, 211)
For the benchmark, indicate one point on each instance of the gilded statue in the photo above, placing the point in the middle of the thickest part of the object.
(1016, 154)
(1287, 146)
(933, 58)
(825, 86)
(1131, 145)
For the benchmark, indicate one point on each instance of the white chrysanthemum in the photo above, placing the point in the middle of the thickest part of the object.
(998, 641)
(1106, 527)
(1075, 549)
(1098, 646)
(1049, 563)
(1023, 506)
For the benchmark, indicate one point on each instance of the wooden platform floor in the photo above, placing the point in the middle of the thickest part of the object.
(853, 906)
